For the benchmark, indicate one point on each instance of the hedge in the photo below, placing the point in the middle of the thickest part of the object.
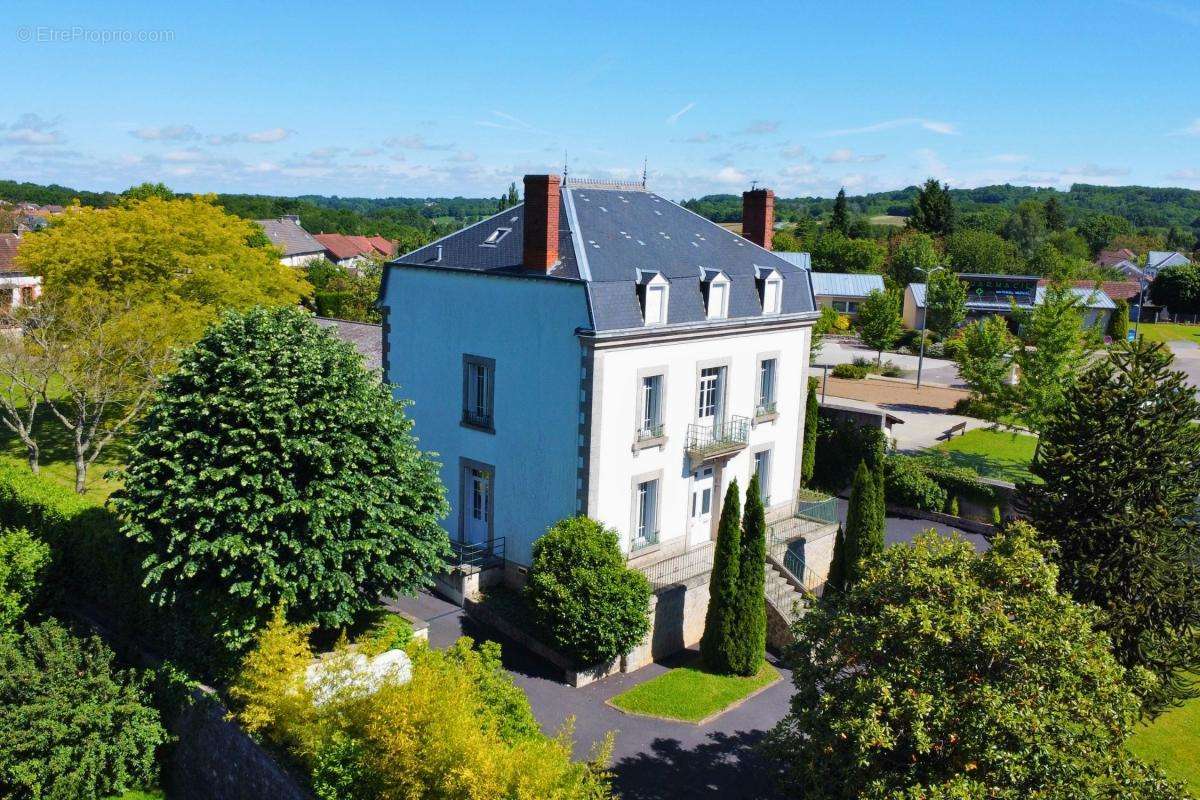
(94, 566)
(841, 445)
(906, 484)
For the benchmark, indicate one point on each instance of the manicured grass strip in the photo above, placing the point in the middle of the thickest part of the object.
(1173, 740)
(137, 794)
(690, 693)
(992, 453)
(1169, 332)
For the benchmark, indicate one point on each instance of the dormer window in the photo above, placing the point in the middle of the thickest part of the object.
(714, 288)
(770, 289)
(496, 237)
(653, 293)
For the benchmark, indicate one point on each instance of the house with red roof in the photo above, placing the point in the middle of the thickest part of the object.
(348, 250)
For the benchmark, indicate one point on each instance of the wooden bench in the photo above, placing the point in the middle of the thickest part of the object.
(960, 429)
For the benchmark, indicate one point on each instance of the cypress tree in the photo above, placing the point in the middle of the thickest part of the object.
(836, 580)
(809, 459)
(716, 642)
(749, 627)
(864, 523)
(1118, 462)
(840, 221)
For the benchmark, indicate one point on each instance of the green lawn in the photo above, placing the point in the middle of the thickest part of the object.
(137, 794)
(992, 453)
(57, 455)
(690, 693)
(1173, 740)
(1169, 332)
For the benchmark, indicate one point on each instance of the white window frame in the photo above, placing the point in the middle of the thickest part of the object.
(718, 301)
(763, 458)
(495, 237)
(655, 296)
(644, 530)
(766, 384)
(650, 421)
(770, 291)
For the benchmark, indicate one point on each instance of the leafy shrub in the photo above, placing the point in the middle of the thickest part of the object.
(22, 561)
(842, 323)
(273, 469)
(393, 632)
(906, 484)
(592, 606)
(849, 371)
(333, 304)
(71, 726)
(890, 370)
(841, 445)
(458, 728)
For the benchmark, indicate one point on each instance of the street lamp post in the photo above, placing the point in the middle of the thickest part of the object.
(924, 318)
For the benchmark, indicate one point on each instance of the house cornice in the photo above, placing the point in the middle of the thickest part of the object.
(697, 330)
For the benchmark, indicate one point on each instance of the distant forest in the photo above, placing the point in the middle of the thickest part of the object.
(413, 221)
(1143, 206)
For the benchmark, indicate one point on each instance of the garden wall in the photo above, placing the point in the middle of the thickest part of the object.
(676, 621)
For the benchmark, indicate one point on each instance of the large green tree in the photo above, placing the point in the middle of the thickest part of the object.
(835, 580)
(945, 302)
(933, 209)
(1099, 230)
(1178, 288)
(879, 321)
(271, 469)
(914, 255)
(749, 626)
(1026, 227)
(1119, 481)
(982, 252)
(833, 251)
(840, 221)
(811, 422)
(1056, 218)
(950, 675)
(717, 644)
(984, 360)
(71, 724)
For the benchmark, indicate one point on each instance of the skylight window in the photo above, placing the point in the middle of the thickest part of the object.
(496, 237)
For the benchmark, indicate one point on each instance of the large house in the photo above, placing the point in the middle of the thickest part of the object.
(296, 245)
(17, 288)
(351, 251)
(598, 349)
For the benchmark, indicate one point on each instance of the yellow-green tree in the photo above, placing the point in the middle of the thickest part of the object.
(184, 251)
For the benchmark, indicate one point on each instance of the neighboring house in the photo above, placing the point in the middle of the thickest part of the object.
(296, 244)
(600, 350)
(1130, 270)
(1161, 259)
(989, 295)
(366, 337)
(1113, 258)
(353, 251)
(844, 291)
(16, 287)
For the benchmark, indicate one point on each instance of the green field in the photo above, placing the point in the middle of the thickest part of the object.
(690, 693)
(889, 219)
(57, 455)
(992, 453)
(1169, 332)
(1173, 740)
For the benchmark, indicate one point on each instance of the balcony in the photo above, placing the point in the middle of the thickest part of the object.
(722, 437)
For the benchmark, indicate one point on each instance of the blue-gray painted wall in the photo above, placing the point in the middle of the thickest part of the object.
(528, 326)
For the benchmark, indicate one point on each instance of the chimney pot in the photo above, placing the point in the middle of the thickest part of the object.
(758, 216)
(542, 198)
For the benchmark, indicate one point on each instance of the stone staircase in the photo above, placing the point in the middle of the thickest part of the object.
(782, 595)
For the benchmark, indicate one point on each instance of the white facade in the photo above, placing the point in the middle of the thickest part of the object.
(19, 290)
(622, 455)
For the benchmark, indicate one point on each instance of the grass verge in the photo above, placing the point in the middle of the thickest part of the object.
(1169, 332)
(1173, 741)
(690, 693)
(992, 453)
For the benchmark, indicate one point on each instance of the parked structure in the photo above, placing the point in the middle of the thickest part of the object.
(297, 245)
(844, 291)
(989, 295)
(612, 354)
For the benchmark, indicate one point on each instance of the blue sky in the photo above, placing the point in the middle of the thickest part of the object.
(457, 98)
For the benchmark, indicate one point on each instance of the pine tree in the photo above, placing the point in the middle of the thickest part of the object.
(864, 523)
(749, 627)
(1118, 497)
(836, 580)
(1056, 220)
(716, 643)
(1118, 323)
(933, 210)
(840, 221)
(809, 459)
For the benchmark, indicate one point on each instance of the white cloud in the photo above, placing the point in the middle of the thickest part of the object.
(464, 157)
(671, 120)
(932, 125)
(166, 133)
(844, 155)
(730, 175)
(794, 151)
(268, 136)
(703, 137)
(1008, 158)
(364, 152)
(761, 126)
(186, 154)
(1188, 130)
(931, 164)
(1188, 174)
(413, 142)
(1093, 171)
(30, 129)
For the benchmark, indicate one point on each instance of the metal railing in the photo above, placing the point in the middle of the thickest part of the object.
(816, 506)
(721, 436)
(679, 568)
(649, 432)
(477, 554)
(786, 600)
(763, 409)
(645, 540)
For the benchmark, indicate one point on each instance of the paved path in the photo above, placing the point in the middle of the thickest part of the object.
(652, 759)
(923, 426)
(935, 370)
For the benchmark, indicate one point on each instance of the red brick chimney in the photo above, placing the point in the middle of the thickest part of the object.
(758, 216)
(542, 198)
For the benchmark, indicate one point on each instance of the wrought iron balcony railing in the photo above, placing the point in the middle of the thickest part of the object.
(718, 438)
(479, 554)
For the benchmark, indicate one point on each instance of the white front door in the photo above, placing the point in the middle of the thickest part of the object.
(701, 506)
(479, 505)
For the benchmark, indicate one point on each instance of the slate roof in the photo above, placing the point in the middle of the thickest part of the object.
(366, 337)
(289, 237)
(1091, 297)
(606, 236)
(837, 284)
(1158, 259)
